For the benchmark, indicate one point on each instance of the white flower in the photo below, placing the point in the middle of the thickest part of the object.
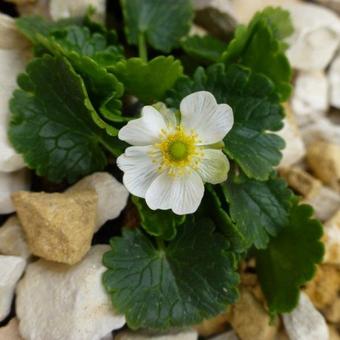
(170, 160)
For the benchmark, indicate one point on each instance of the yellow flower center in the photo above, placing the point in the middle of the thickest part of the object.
(179, 151)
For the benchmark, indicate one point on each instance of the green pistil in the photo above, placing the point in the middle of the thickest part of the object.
(178, 151)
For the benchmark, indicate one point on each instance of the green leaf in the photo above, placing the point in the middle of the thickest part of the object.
(213, 208)
(256, 110)
(290, 259)
(95, 45)
(51, 122)
(161, 22)
(159, 223)
(192, 278)
(259, 209)
(206, 48)
(149, 81)
(259, 47)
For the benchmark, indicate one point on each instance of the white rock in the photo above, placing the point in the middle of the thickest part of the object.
(324, 201)
(112, 195)
(305, 322)
(295, 149)
(12, 239)
(310, 99)
(59, 302)
(334, 82)
(11, 268)
(230, 335)
(316, 36)
(12, 62)
(108, 337)
(322, 129)
(184, 335)
(332, 4)
(332, 240)
(60, 9)
(9, 183)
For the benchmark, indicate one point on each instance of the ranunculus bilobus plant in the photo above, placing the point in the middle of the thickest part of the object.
(193, 133)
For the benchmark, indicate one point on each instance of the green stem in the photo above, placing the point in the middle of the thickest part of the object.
(142, 50)
(160, 243)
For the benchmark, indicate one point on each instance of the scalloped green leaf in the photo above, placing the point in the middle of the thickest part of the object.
(260, 47)
(290, 259)
(257, 111)
(148, 81)
(158, 223)
(205, 49)
(161, 22)
(190, 279)
(259, 209)
(51, 122)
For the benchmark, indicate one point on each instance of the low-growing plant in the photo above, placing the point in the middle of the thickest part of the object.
(202, 165)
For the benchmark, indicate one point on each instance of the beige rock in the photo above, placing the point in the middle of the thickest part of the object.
(216, 16)
(300, 180)
(305, 322)
(324, 287)
(332, 240)
(295, 148)
(332, 4)
(58, 227)
(61, 9)
(11, 38)
(112, 195)
(213, 326)
(12, 239)
(332, 313)
(60, 302)
(322, 129)
(10, 331)
(310, 99)
(9, 183)
(315, 38)
(333, 333)
(184, 335)
(250, 320)
(334, 82)
(36, 7)
(230, 335)
(11, 269)
(324, 160)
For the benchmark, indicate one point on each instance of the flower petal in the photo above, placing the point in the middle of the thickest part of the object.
(139, 169)
(214, 166)
(182, 194)
(211, 121)
(145, 130)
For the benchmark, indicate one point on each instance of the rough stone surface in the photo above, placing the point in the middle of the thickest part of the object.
(310, 99)
(316, 37)
(11, 269)
(58, 227)
(230, 335)
(305, 322)
(184, 335)
(332, 313)
(322, 129)
(334, 82)
(324, 160)
(295, 148)
(333, 333)
(324, 287)
(112, 195)
(9, 183)
(213, 326)
(250, 320)
(325, 203)
(61, 9)
(59, 302)
(12, 239)
(332, 240)
(10, 36)
(10, 331)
